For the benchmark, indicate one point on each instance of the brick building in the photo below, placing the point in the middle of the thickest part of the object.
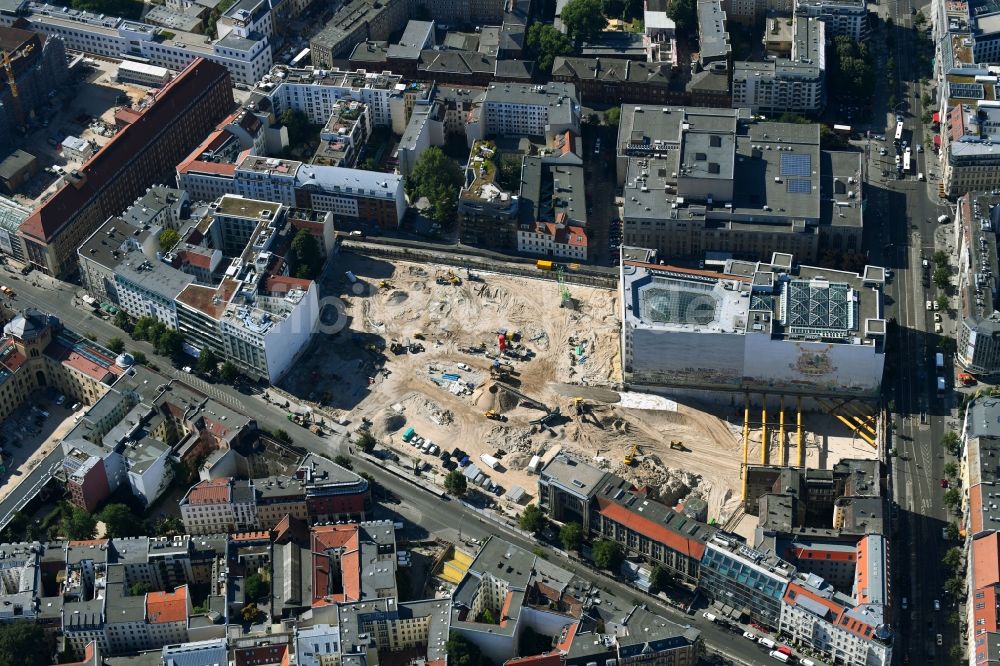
(184, 111)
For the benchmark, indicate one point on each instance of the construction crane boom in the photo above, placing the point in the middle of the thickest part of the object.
(12, 81)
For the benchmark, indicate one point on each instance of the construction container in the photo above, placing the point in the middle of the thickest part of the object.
(543, 264)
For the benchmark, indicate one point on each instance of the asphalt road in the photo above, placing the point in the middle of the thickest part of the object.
(908, 211)
(417, 505)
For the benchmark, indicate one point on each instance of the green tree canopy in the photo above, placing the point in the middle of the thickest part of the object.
(228, 372)
(23, 644)
(139, 589)
(532, 519)
(117, 345)
(659, 579)
(456, 483)
(119, 521)
(365, 441)
(952, 497)
(571, 536)
(545, 43)
(343, 461)
(607, 554)
(684, 14)
(942, 277)
(613, 116)
(297, 123)
(208, 361)
(439, 178)
(255, 587)
(168, 238)
(121, 320)
(77, 524)
(250, 613)
(138, 356)
(169, 343)
(307, 259)
(462, 652)
(954, 558)
(583, 19)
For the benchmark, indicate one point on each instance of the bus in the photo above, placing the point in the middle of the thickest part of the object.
(907, 162)
(899, 131)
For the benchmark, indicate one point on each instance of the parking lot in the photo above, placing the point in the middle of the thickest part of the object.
(30, 433)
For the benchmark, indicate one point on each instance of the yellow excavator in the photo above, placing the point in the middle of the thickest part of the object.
(494, 415)
(629, 458)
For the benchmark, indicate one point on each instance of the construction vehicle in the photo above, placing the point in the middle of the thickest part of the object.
(966, 379)
(419, 336)
(454, 279)
(385, 284)
(678, 446)
(414, 347)
(579, 405)
(629, 458)
(397, 348)
(494, 415)
(12, 82)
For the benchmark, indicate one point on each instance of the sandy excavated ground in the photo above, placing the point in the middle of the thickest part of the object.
(575, 353)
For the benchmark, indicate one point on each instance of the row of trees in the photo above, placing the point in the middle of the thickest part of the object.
(849, 64)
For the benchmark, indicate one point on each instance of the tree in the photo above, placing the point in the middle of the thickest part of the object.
(659, 579)
(546, 44)
(250, 613)
(22, 644)
(583, 19)
(139, 589)
(119, 521)
(116, 345)
(439, 178)
(297, 123)
(208, 361)
(952, 532)
(228, 372)
(462, 652)
(954, 558)
(571, 536)
(849, 64)
(532, 519)
(942, 302)
(950, 469)
(607, 554)
(255, 587)
(954, 587)
(138, 357)
(684, 14)
(613, 116)
(952, 497)
(169, 343)
(950, 441)
(168, 238)
(366, 441)
(77, 524)
(343, 461)
(307, 259)
(455, 483)
(121, 320)
(942, 277)
(281, 436)
(509, 172)
(486, 617)
(941, 258)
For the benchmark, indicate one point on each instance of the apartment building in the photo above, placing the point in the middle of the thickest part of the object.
(219, 506)
(685, 173)
(839, 17)
(977, 221)
(208, 171)
(247, 57)
(521, 109)
(137, 157)
(970, 163)
(796, 84)
(528, 592)
(344, 135)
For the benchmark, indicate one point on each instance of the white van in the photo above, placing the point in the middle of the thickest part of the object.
(920, 176)
(709, 616)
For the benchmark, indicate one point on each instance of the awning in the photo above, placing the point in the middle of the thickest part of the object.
(937, 140)
(937, 116)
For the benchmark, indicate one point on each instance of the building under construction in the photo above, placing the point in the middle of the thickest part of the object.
(38, 65)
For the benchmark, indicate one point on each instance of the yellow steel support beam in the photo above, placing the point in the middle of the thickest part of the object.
(746, 442)
(763, 433)
(798, 431)
(781, 432)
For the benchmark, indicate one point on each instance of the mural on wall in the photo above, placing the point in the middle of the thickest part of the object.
(813, 362)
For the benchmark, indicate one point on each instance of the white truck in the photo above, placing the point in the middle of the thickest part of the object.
(766, 642)
(780, 656)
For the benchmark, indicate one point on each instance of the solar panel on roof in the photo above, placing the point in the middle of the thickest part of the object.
(967, 90)
(799, 186)
(793, 164)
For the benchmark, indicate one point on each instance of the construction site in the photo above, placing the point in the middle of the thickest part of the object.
(497, 373)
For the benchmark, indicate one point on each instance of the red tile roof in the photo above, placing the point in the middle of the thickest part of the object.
(282, 284)
(106, 164)
(80, 363)
(551, 659)
(163, 607)
(325, 538)
(215, 491)
(986, 560)
(633, 521)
